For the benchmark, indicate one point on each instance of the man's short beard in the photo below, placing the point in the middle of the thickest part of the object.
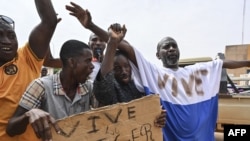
(169, 63)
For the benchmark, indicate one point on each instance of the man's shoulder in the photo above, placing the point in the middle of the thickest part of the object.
(25, 51)
(89, 84)
(23, 47)
(46, 80)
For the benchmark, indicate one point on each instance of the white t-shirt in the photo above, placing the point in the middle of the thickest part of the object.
(95, 71)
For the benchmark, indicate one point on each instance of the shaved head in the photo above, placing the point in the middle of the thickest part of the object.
(165, 40)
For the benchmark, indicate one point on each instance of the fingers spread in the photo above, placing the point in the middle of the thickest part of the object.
(75, 5)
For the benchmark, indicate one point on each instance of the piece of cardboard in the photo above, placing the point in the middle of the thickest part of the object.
(133, 121)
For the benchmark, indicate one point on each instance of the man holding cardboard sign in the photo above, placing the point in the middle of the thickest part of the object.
(120, 122)
(114, 83)
(56, 96)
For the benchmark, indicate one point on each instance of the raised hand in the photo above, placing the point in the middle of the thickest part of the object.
(116, 32)
(82, 15)
(40, 122)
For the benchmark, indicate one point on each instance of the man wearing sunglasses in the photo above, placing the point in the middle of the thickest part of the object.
(19, 66)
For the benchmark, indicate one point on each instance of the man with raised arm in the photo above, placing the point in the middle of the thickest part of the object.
(19, 66)
(190, 94)
(56, 96)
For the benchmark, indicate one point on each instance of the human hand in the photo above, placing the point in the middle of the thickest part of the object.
(82, 15)
(116, 32)
(160, 120)
(40, 122)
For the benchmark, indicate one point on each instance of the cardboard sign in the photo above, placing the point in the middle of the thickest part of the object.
(133, 121)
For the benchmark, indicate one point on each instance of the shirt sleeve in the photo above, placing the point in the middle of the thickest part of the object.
(31, 59)
(104, 90)
(32, 97)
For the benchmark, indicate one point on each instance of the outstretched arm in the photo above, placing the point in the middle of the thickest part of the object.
(228, 64)
(49, 60)
(85, 19)
(115, 37)
(41, 35)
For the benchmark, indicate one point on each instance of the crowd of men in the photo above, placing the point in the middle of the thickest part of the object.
(31, 100)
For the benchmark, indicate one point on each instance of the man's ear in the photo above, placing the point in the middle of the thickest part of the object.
(71, 62)
(157, 55)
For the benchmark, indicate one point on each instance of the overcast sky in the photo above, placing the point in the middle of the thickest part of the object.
(201, 28)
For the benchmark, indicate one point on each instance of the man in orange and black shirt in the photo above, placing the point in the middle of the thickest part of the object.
(19, 66)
